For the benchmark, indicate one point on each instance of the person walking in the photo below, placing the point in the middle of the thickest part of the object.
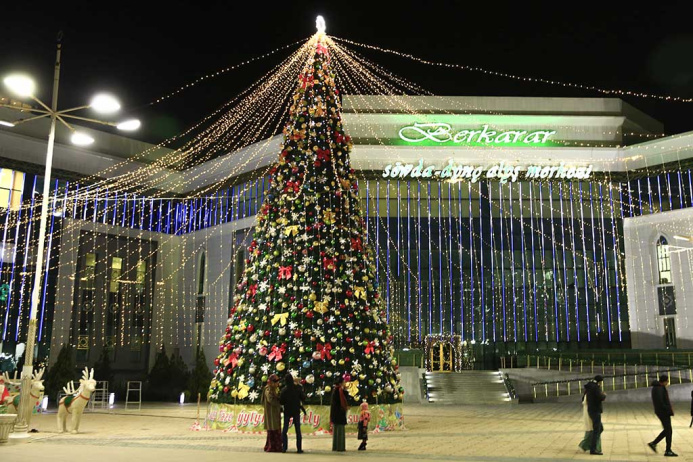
(291, 399)
(364, 419)
(664, 412)
(595, 396)
(272, 408)
(586, 442)
(338, 415)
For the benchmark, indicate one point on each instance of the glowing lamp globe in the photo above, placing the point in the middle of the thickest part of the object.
(20, 85)
(104, 104)
(81, 139)
(129, 125)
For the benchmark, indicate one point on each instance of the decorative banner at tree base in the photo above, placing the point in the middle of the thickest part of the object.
(250, 418)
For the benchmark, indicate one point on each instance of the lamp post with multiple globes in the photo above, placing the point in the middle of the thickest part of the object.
(23, 86)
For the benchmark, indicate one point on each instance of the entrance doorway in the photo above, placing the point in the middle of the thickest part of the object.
(441, 357)
(669, 333)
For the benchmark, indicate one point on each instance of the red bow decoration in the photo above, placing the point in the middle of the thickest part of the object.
(233, 360)
(370, 347)
(306, 80)
(324, 350)
(276, 353)
(356, 244)
(328, 263)
(285, 272)
(252, 289)
(321, 49)
(292, 185)
(323, 155)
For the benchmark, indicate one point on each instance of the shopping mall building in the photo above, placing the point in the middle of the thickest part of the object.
(521, 223)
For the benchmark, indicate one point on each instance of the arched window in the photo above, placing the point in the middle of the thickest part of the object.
(663, 260)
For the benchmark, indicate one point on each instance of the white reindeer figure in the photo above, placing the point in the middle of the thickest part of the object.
(75, 402)
(35, 393)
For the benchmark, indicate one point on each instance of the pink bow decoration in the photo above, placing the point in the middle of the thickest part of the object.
(276, 353)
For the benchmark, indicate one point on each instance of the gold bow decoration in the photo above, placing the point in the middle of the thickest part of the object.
(328, 217)
(360, 292)
(281, 317)
(321, 307)
(352, 388)
(282, 221)
(291, 230)
(242, 389)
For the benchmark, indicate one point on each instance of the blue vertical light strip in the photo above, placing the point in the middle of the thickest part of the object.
(534, 270)
(161, 216)
(115, 209)
(459, 238)
(524, 261)
(27, 246)
(133, 211)
(142, 214)
(482, 288)
(368, 200)
(450, 272)
(84, 204)
(125, 208)
(48, 260)
(388, 270)
(597, 314)
(74, 203)
(682, 191)
(399, 227)
(471, 261)
(690, 187)
(512, 258)
(502, 261)
(543, 265)
(616, 262)
(565, 266)
(94, 217)
(671, 205)
(377, 231)
(606, 262)
(105, 207)
(430, 264)
(573, 229)
(440, 263)
(492, 252)
(554, 266)
(151, 214)
(167, 228)
(649, 193)
(418, 250)
(585, 264)
(2, 256)
(408, 261)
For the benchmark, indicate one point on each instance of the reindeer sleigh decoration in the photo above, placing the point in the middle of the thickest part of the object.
(75, 401)
(35, 393)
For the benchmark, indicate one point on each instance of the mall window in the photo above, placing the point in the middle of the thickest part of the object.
(663, 261)
(11, 185)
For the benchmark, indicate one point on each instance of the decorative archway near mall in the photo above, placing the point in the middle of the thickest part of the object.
(447, 353)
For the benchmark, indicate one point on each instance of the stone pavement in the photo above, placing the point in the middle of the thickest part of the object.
(527, 432)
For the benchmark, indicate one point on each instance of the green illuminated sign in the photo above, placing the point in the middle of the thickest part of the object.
(4, 292)
(437, 133)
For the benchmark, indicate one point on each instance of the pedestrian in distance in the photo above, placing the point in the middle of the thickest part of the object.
(586, 442)
(664, 412)
(338, 415)
(595, 396)
(291, 399)
(691, 424)
(297, 382)
(364, 419)
(272, 408)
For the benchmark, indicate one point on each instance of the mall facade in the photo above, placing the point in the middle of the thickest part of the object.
(519, 223)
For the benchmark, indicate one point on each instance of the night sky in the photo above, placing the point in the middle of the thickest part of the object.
(141, 52)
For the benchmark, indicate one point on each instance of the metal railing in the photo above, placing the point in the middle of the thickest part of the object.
(641, 358)
(612, 382)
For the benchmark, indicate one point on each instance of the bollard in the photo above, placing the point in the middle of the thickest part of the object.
(557, 391)
(570, 365)
(680, 376)
(534, 388)
(647, 377)
(546, 389)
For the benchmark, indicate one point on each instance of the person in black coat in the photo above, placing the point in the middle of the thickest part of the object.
(292, 399)
(691, 424)
(595, 396)
(338, 415)
(663, 411)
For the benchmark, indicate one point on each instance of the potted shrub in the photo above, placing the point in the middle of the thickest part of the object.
(6, 423)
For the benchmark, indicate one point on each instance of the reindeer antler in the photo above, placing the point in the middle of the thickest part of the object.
(91, 374)
(38, 375)
(69, 389)
(6, 377)
(85, 374)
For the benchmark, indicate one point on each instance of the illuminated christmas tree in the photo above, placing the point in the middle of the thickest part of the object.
(308, 302)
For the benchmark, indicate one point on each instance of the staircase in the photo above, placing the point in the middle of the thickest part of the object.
(467, 387)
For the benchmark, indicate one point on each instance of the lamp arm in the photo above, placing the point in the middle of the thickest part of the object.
(24, 109)
(21, 121)
(87, 119)
(42, 104)
(78, 108)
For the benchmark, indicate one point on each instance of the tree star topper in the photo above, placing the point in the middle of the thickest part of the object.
(320, 24)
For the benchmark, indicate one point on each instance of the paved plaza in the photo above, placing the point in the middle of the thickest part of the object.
(504, 433)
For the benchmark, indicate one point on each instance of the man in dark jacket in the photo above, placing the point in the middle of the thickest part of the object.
(595, 396)
(664, 411)
(291, 399)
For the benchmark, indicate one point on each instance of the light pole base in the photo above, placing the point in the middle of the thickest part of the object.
(23, 435)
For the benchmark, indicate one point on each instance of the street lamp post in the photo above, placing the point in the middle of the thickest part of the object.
(24, 86)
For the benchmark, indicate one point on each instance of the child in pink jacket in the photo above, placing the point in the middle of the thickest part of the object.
(364, 419)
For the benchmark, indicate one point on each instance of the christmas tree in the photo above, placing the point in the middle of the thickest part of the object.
(308, 302)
